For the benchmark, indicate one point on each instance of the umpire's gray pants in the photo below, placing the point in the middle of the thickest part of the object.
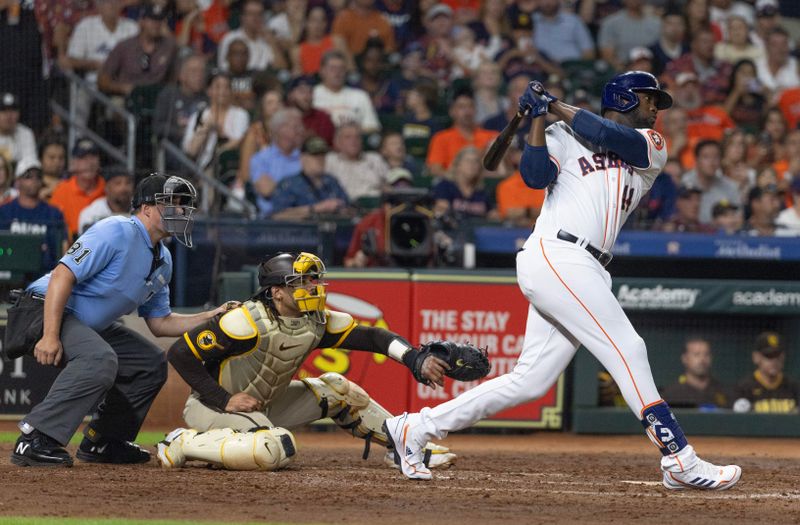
(116, 370)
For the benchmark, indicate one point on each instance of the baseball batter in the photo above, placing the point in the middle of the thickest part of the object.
(596, 170)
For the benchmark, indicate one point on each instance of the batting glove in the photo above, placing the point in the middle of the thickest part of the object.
(536, 100)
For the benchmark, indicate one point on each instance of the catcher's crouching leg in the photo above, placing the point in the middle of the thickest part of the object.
(256, 449)
(354, 411)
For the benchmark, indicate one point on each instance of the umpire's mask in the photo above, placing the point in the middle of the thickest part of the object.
(178, 198)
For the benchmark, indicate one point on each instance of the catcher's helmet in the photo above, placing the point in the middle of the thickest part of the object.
(303, 273)
(619, 94)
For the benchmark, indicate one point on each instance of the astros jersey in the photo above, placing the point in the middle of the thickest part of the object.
(595, 191)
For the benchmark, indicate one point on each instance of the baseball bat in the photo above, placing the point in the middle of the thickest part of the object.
(500, 146)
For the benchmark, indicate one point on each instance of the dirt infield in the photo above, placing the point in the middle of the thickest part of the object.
(539, 478)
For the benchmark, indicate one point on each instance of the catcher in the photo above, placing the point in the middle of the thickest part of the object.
(240, 366)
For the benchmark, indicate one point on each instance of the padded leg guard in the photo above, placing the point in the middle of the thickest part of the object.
(350, 407)
(663, 429)
(256, 449)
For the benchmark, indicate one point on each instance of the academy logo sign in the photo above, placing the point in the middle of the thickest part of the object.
(657, 297)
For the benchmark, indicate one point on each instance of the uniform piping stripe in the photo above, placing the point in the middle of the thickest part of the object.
(191, 346)
(618, 208)
(630, 374)
(605, 226)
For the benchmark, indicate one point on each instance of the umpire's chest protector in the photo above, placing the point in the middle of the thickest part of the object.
(266, 370)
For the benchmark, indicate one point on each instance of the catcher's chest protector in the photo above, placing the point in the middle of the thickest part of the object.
(266, 371)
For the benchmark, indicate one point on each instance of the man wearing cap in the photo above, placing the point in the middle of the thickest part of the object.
(561, 35)
(28, 214)
(16, 140)
(768, 390)
(116, 201)
(764, 206)
(708, 178)
(727, 219)
(90, 44)
(789, 219)
(141, 60)
(312, 192)
(84, 186)
(300, 95)
(117, 266)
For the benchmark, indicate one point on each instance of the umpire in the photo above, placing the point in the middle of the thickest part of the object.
(117, 266)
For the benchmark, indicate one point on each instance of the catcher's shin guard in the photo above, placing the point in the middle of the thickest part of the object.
(350, 407)
(256, 449)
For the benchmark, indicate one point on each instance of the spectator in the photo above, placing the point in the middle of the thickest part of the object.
(219, 127)
(465, 132)
(201, 29)
(91, 43)
(778, 69)
(84, 186)
(671, 42)
(307, 56)
(258, 134)
(514, 90)
(263, 44)
(658, 205)
(562, 35)
(628, 28)
(28, 214)
(374, 80)
(492, 23)
(7, 190)
(727, 218)
(463, 194)
(721, 11)
(687, 213)
(16, 139)
(393, 151)
(313, 191)
(360, 173)
(737, 44)
(518, 54)
(315, 121)
(789, 104)
(241, 78)
(734, 162)
(640, 59)
(787, 165)
(674, 125)
(747, 98)
(142, 60)
(176, 104)
(437, 44)
(713, 75)
(517, 203)
(698, 18)
(789, 219)
(706, 121)
(361, 22)
(368, 246)
(486, 84)
(764, 206)
(53, 157)
(696, 387)
(288, 23)
(341, 102)
(767, 19)
(279, 160)
(768, 390)
(57, 20)
(707, 177)
(405, 77)
(469, 54)
(399, 15)
(116, 201)
(419, 123)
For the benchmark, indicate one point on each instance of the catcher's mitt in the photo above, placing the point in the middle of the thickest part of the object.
(467, 362)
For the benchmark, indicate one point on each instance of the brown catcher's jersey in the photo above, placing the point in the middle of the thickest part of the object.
(780, 397)
(250, 350)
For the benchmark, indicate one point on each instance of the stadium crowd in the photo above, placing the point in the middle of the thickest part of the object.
(310, 108)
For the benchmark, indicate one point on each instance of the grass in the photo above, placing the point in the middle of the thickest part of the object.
(144, 438)
(112, 521)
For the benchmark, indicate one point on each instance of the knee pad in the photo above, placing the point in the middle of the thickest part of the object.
(256, 449)
(350, 407)
(663, 429)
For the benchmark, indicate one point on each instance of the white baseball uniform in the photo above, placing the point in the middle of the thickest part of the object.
(569, 290)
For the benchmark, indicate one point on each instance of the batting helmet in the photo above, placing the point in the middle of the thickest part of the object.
(619, 94)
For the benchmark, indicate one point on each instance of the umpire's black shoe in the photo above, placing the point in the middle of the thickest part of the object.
(112, 451)
(39, 450)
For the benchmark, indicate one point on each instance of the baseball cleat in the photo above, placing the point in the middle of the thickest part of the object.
(169, 455)
(113, 451)
(39, 450)
(408, 454)
(704, 476)
(435, 456)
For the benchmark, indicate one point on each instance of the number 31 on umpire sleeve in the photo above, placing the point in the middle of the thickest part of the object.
(75, 248)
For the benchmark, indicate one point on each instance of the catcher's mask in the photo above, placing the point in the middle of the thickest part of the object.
(177, 196)
(303, 275)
